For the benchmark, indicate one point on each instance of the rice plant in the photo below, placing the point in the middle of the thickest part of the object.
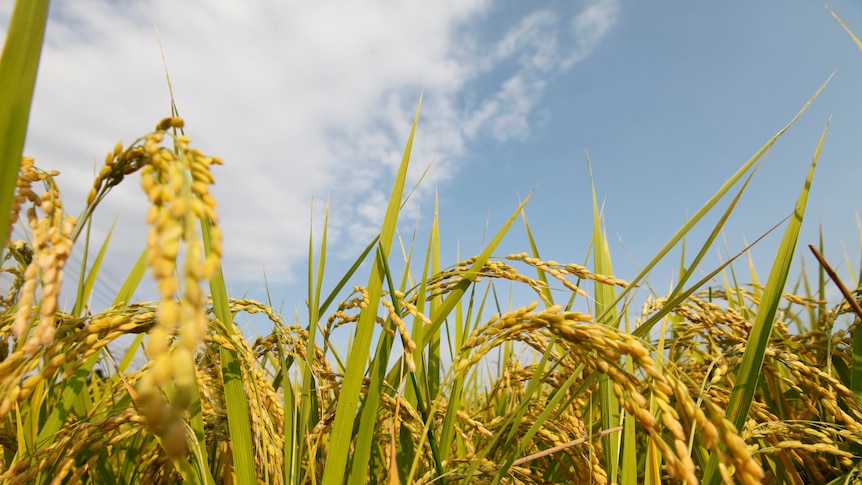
(732, 383)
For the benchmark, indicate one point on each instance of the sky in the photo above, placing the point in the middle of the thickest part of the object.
(313, 101)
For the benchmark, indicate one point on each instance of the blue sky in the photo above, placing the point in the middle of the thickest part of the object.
(307, 99)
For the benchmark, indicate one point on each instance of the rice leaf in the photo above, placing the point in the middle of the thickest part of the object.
(198, 445)
(18, 67)
(749, 371)
(678, 294)
(133, 279)
(457, 292)
(236, 400)
(85, 287)
(855, 39)
(308, 396)
(630, 451)
(347, 276)
(708, 205)
(124, 294)
(606, 309)
(345, 413)
(369, 406)
(434, 369)
(534, 249)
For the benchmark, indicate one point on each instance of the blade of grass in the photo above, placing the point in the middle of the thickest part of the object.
(535, 252)
(198, 445)
(236, 400)
(433, 370)
(18, 68)
(359, 260)
(708, 205)
(133, 279)
(467, 279)
(685, 274)
(642, 330)
(855, 39)
(369, 408)
(606, 308)
(349, 274)
(345, 412)
(124, 294)
(88, 280)
(308, 391)
(749, 371)
(630, 450)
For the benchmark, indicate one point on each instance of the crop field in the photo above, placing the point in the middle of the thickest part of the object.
(735, 383)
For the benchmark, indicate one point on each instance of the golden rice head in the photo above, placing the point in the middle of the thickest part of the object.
(560, 272)
(176, 182)
(409, 344)
(51, 246)
(58, 457)
(22, 254)
(601, 346)
(21, 374)
(27, 175)
(119, 162)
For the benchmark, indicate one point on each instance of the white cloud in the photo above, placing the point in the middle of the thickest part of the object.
(534, 41)
(589, 28)
(298, 98)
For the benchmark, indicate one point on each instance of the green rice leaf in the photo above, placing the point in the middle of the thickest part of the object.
(369, 406)
(18, 67)
(678, 295)
(87, 282)
(345, 413)
(198, 445)
(236, 400)
(133, 279)
(749, 371)
(606, 309)
(347, 276)
(457, 292)
(534, 248)
(709, 204)
(124, 294)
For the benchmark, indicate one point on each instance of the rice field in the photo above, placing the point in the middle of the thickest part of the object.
(736, 383)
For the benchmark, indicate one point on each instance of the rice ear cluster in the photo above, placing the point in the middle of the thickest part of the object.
(52, 244)
(601, 348)
(176, 182)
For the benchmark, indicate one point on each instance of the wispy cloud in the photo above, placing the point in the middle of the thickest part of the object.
(298, 98)
(589, 27)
